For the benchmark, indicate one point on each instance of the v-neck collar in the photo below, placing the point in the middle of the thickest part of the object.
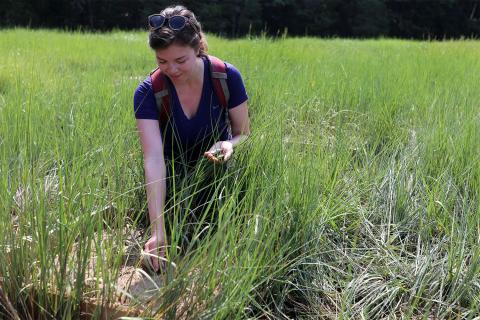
(200, 102)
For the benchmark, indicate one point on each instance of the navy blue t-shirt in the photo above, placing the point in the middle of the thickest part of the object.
(186, 139)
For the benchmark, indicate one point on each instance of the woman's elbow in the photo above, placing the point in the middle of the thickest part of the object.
(242, 131)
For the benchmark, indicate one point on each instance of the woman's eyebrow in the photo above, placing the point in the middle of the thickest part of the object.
(179, 58)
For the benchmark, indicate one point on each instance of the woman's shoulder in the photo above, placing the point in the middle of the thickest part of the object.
(144, 100)
(235, 84)
(234, 77)
(230, 69)
(144, 86)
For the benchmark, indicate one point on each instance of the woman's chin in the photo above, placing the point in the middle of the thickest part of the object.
(176, 77)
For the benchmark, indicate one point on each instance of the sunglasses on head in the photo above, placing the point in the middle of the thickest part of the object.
(156, 21)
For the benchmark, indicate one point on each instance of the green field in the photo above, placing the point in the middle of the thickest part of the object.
(360, 182)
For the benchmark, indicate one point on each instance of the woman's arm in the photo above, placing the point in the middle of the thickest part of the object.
(155, 175)
(240, 123)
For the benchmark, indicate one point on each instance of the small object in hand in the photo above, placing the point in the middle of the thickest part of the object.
(218, 154)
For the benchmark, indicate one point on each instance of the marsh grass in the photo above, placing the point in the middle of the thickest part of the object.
(355, 197)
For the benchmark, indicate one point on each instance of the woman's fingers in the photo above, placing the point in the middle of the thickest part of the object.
(149, 259)
(219, 154)
(228, 153)
(155, 254)
(154, 261)
(149, 262)
(209, 155)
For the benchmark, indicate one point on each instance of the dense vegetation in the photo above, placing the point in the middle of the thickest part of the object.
(353, 18)
(357, 195)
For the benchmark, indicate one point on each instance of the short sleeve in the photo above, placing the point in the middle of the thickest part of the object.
(236, 88)
(144, 103)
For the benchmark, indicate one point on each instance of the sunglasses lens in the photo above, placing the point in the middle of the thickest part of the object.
(156, 21)
(177, 22)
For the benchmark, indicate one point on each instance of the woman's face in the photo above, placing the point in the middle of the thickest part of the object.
(178, 62)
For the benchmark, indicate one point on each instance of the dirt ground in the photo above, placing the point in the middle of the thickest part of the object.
(137, 288)
(136, 285)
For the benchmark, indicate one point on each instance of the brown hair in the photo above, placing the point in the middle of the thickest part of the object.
(191, 35)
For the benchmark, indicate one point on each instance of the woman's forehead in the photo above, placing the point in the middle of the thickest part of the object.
(174, 51)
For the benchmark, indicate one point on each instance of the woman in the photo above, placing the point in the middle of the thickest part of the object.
(198, 125)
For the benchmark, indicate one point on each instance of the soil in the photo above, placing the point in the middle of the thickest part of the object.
(136, 285)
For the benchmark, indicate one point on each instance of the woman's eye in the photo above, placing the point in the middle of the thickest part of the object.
(182, 61)
(161, 62)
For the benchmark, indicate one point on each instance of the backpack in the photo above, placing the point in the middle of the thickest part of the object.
(218, 71)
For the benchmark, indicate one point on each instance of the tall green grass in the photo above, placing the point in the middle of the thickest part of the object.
(356, 196)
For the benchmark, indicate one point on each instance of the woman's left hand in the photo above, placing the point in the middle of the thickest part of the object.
(220, 152)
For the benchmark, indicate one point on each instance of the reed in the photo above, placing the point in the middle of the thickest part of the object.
(356, 196)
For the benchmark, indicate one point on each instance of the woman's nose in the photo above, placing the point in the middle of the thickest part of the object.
(171, 67)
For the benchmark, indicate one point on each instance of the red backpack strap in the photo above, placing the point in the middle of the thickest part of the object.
(160, 90)
(218, 70)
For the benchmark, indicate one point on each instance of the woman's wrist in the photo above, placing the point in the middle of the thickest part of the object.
(239, 138)
(157, 229)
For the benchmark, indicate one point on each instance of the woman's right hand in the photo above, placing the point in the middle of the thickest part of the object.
(156, 246)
